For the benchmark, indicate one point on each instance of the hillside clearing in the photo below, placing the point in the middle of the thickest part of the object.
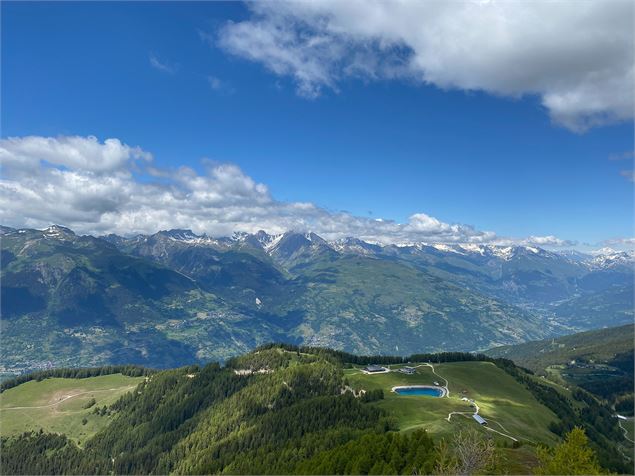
(58, 404)
(507, 405)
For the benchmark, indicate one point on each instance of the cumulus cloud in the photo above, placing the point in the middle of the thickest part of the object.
(547, 241)
(577, 57)
(109, 187)
(616, 244)
(619, 241)
(72, 152)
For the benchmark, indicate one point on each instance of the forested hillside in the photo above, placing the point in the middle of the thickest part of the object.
(289, 410)
(600, 362)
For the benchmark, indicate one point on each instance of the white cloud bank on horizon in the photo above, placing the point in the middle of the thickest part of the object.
(109, 187)
(577, 57)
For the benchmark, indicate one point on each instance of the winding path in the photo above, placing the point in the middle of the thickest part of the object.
(500, 433)
(447, 390)
(619, 422)
(475, 412)
(68, 397)
(477, 408)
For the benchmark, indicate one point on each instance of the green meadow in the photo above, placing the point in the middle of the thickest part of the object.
(507, 406)
(58, 405)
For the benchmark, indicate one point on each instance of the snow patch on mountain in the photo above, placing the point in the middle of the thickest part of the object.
(447, 248)
(607, 258)
(271, 242)
(603, 258)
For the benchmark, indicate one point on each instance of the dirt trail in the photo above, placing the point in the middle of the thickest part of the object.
(467, 414)
(68, 397)
(619, 422)
(447, 390)
(500, 433)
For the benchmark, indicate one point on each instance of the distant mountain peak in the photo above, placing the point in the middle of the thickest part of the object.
(355, 245)
(58, 232)
(179, 234)
(266, 240)
(610, 258)
(607, 250)
(291, 242)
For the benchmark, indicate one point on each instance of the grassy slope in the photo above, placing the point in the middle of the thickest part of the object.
(51, 414)
(500, 398)
(599, 345)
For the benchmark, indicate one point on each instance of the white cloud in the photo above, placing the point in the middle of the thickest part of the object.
(616, 244)
(576, 56)
(73, 152)
(548, 241)
(163, 66)
(620, 241)
(109, 187)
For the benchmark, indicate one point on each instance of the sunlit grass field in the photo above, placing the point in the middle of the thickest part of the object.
(506, 404)
(58, 405)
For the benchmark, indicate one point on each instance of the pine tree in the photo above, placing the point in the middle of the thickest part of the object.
(573, 456)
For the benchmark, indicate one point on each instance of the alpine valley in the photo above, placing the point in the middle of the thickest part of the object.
(177, 298)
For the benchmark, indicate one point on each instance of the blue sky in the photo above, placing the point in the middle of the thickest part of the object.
(155, 75)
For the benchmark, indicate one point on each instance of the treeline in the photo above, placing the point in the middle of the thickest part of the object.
(594, 417)
(210, 420)
(146, 424)
(347, 358)
(268, 358)
(81, 372)
(150, 423)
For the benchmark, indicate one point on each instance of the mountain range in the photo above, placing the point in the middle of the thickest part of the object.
(176, 297)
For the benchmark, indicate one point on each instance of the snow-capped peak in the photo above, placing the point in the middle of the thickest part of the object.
(449, 248)
(270, 241)
(189, 237)
(610, 258)
(473, 248)
(57, 231)
(606, 251)
(355, 245)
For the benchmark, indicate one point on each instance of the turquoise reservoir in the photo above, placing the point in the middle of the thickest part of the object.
(426, 391)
